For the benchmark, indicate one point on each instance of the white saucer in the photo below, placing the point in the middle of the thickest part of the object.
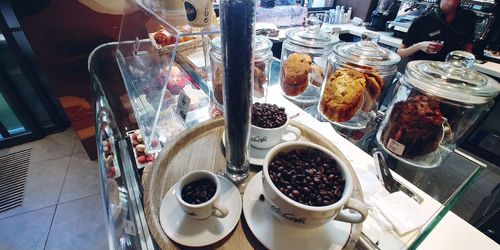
(195, 233)
(274, 234)
(257, 155)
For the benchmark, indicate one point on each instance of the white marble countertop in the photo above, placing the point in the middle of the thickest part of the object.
(386, 38)
(489, 68)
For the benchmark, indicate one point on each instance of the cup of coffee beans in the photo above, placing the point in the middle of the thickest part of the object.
(307, 185)
(198, 193)
(269, 125)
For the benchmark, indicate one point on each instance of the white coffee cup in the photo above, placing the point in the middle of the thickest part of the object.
(206, 209)
(298, 214)
(268, 137)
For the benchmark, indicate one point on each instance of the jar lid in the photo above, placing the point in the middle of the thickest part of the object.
(366, 52)
(453, 79)
(311, 36)
(262, 44)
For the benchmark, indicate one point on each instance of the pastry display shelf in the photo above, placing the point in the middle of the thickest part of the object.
(146, 53)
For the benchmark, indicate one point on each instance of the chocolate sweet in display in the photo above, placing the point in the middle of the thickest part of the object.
(355, 78)
(142, 156)
(434, 105)
(303, 62)
(112, 170)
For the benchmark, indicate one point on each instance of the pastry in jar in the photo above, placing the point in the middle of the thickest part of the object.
(415, 127)
(259, 78)
(342, 95)
(217, 85)
(374, 85)
(259, 81)
(317, 75)
(294, 74)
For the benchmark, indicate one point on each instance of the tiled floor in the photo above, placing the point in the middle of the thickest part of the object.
(62, 205)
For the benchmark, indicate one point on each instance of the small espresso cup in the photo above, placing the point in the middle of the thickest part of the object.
(297, 214)
(268, 137)
(206, 209)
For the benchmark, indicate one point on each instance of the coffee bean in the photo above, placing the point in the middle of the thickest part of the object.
(267, 115)
(307, 176)
(198, 192)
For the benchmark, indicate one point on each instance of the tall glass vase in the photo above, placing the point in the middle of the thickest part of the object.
(237, 36)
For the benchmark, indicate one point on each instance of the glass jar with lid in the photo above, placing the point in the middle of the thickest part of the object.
(262, 69)
(303, 61)
(434, 105)
(355, 78)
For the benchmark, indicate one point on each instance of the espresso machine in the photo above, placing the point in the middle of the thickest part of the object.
(486, 33)
(485, 12)
(409, 10)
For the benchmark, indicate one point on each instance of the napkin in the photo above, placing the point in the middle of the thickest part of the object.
(402, 211)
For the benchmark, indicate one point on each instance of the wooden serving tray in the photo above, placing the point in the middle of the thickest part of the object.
(201, 148)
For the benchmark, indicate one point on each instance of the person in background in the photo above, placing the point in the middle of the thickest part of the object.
(442, 30)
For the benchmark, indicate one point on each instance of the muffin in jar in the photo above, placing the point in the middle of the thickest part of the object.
(295, 73)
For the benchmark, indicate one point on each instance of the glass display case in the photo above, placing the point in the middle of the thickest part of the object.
(161, 90)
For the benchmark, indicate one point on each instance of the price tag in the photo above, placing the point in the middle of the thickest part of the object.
(395, 147)
(183, 102)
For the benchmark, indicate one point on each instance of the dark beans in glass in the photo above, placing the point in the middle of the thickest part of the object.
(267, 115)
(198, 192)
(307, 176)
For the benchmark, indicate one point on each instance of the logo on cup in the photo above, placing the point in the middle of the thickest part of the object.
(288, 216)
(206, 14)
(259, 139)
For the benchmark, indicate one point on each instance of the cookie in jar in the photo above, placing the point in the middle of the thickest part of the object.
(347, 91)
(356, 75)
(303, 61)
